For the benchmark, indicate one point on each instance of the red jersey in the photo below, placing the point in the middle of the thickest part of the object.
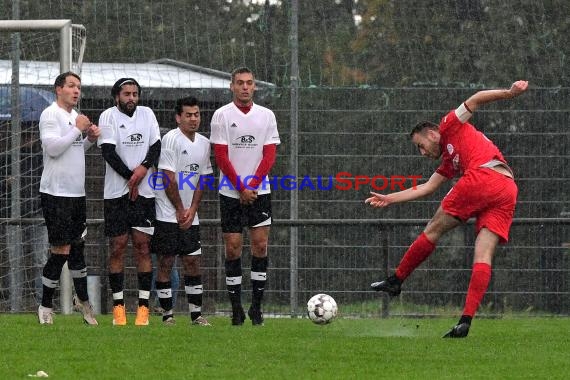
(463, 147)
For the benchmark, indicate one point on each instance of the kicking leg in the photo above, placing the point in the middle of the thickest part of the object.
(418, 252)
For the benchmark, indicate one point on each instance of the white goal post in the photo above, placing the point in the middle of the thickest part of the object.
(65, 36)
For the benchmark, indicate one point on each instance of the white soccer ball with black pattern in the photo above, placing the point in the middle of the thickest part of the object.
(322, 309)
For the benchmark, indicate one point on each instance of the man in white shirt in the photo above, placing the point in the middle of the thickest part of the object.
(62, 193)
(184, 159)
(130, 143)
(245, 140)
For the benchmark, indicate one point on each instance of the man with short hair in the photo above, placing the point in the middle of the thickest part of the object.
(130, 144)
(62, 193)
(184, 160)
(245, 140)
(485, 190)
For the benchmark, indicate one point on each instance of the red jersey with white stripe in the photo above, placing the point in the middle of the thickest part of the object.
(464, 147)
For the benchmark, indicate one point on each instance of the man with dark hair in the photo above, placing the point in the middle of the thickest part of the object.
(184, 159)
(130, 143)
(62, 193)
(486, 191)
(245, 140)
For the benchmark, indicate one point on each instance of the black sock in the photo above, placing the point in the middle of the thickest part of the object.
(194, 289)
(50, 277)
(233, 281)
(116, 282)
(258, 279)
(145, 283)
(164, 292)
(78, 269)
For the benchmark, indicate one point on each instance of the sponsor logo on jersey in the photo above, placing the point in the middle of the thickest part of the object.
(134, 140)
(189, 177)
(234, 125)
(450, 148)
(246, 139)
(78, 141)
(244, 142)
(184, 151)
(191, 168)
(135, 137)
(456, 162)
(122, 126)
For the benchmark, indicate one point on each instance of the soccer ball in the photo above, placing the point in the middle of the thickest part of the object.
(321, 309)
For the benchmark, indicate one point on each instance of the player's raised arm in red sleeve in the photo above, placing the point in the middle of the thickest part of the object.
(488, 96)
(223, 162)
(269, 154)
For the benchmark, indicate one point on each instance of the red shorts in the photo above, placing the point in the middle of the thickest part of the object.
(488, 196)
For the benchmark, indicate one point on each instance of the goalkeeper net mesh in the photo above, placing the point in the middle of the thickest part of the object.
(23, 250)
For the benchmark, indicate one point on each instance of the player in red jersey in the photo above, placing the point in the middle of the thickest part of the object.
(486, 191)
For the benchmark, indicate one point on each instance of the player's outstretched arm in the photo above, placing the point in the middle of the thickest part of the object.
(487, 96)
(384, 200)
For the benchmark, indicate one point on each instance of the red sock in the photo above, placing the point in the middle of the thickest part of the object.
(480, 277)
(414, 256)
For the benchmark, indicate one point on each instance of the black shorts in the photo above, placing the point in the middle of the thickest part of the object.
(169, 239)
(122, 214)
(235, 216)
(65, 218)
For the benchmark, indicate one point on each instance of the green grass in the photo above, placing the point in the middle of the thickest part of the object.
(529, 348)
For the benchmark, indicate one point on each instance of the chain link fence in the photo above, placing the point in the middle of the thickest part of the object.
(342, 245)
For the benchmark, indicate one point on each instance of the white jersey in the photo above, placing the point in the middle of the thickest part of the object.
(64, 167)
(188, 160)
(245, 135)
(132, 137)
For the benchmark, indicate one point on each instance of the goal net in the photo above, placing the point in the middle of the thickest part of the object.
(32, 54)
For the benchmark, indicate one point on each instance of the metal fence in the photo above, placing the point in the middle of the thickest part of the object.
(334, 116)
(339, 245)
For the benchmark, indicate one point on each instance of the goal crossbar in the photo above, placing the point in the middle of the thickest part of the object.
(64, 27)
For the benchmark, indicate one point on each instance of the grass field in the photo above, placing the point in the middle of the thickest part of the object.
(529, 348)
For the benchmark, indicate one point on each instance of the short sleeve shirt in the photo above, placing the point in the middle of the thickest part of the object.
(188, 160)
